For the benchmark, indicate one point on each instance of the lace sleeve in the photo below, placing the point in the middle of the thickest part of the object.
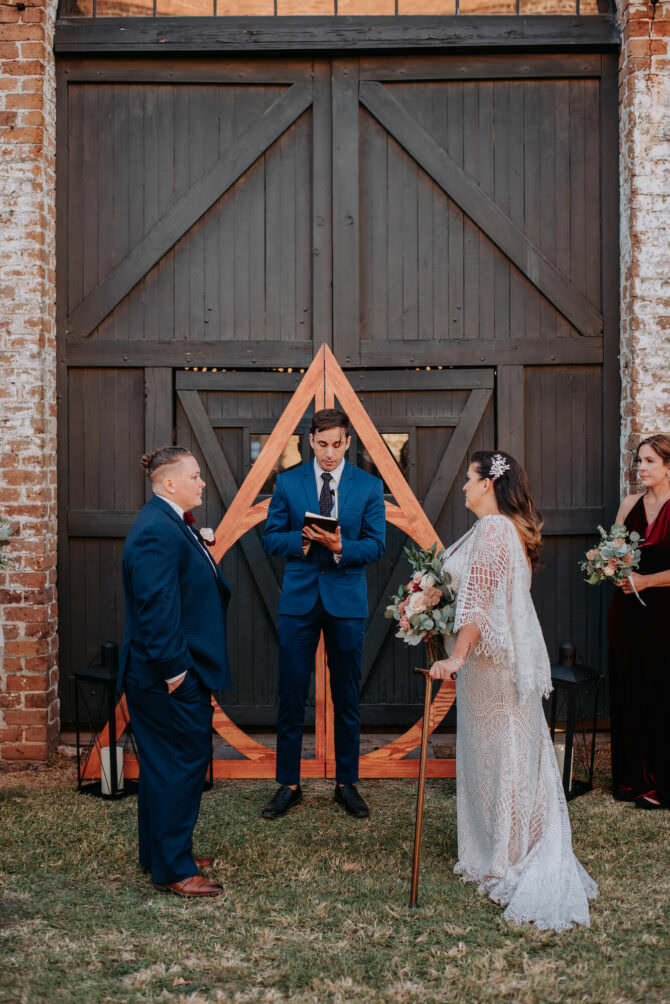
(483, 593)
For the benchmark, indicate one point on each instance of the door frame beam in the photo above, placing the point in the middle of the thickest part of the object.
(229, 35)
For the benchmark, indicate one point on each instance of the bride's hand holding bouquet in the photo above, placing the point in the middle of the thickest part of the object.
(424, 607)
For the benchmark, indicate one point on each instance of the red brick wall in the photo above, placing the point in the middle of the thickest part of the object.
(644, 97)
(28, 614)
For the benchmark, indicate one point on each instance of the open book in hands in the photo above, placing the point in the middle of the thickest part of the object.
(328, 523)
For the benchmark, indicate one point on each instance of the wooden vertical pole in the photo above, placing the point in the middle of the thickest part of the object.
(420, 790)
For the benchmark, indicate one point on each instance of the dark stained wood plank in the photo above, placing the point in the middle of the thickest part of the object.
(374, 195)
(346, 224)
(609, 187)
(176, 71)
(421, 380)
(390, 257)
(100, 523)
(575, 520)
(158, 410)
(510, 411)
(482, 210)
(96, 352)
(447, 352)
(463, 352)
(471, 295)
(237, 381)
(322, 253)
(485, 153)
(452, 132)
(499, 66)
(530, 219)
(310, 34)
(227, 488)
(189, 209)
(593, 208)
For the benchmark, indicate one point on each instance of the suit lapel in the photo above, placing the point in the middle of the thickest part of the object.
(171, 514)
(344, 489)
(309, 484)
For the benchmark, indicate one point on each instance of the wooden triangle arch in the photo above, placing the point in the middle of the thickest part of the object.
(323, 382)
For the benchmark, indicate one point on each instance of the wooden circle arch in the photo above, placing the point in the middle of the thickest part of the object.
(323, 381)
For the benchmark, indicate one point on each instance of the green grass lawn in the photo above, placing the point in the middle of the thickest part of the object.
(316, 905)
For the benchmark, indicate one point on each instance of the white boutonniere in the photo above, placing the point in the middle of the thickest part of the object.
(207, 536)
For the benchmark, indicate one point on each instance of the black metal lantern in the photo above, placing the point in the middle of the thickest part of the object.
(573, 684)
(95, 707)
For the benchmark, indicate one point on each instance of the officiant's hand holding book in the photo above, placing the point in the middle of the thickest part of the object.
(322, 530)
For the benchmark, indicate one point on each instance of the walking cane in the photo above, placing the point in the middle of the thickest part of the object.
(422, 783)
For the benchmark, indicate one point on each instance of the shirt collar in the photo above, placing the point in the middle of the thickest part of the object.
(173, 505)
(335, 475)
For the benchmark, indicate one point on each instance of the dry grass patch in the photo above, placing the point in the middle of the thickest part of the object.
(315, 908)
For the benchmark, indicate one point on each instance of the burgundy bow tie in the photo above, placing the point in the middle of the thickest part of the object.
(188, 518)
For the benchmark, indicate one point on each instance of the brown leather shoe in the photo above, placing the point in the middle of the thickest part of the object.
(204, 862)
(194, 885)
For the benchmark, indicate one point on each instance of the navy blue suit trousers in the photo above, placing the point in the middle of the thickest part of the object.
(298, 641)
(173, 733)
(321, 594)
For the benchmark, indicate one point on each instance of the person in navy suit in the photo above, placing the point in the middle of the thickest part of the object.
(173, 656)
(324, 589)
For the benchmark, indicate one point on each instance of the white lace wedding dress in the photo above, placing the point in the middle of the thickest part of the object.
(514, 836)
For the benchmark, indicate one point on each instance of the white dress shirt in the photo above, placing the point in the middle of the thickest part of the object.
(173, 505)
(334, 488)
(335, 477)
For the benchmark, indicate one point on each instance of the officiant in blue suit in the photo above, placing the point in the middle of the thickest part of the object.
(324, 589)
(173, 656)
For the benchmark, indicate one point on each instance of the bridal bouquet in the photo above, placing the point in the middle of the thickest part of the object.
(614, 558)
(424, 607)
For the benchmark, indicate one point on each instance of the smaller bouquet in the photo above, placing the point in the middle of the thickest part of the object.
(424, 608)
(614, 558)
(5, 534)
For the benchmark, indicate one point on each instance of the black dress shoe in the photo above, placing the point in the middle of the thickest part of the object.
(284, 799)
(347, 795)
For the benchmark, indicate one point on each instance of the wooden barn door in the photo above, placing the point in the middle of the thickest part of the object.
(445, 224)
(194, 229)
(474, 225)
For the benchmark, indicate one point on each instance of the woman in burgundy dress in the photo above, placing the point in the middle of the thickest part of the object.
(639, 653)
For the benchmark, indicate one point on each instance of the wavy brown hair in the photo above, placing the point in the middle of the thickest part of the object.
(660, 444)
(514, 499)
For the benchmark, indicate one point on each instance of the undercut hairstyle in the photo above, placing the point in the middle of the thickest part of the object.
(514, 499)
(660, 444)
(162, 457)
(329, 418)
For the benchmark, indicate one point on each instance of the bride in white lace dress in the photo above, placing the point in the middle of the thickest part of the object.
(514, 836)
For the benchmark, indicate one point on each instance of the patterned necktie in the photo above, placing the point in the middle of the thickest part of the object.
(188, 518)
(326, 497)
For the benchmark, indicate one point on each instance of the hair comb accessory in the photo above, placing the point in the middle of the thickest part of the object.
(498, 466)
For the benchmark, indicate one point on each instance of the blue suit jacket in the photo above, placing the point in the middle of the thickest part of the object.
(175, 603)
(341, 587)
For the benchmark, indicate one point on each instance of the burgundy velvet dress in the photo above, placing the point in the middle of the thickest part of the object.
(639, 669)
